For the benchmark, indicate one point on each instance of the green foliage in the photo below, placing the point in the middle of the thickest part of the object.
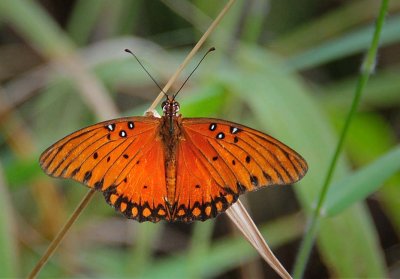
(256, 77)
(361, 184)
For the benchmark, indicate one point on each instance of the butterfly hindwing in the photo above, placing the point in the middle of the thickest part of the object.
(115, 157)
(201, 191)
(139, 191)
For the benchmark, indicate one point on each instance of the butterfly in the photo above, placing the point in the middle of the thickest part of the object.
(172, 168)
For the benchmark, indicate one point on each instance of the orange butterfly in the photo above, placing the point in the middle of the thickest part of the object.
(172, 168)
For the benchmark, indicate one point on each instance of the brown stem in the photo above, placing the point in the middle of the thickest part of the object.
(57, 240)
(191, 54)
(239, 216)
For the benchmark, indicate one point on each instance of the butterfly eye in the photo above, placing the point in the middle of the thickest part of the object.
(176, 107)
(164, 105)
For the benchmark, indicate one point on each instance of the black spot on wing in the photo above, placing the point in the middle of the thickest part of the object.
(248, 159)
(99, 184)
(87, 177)
(241, 188)
(254, 180)
(268, 177)
(75, 171)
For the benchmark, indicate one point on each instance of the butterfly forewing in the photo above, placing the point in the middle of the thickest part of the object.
(218, 160)
(116, 157)
(248, 151)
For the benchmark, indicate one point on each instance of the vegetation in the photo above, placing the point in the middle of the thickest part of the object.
(287, 68)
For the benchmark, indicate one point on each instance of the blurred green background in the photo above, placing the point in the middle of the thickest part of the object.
(288, 68)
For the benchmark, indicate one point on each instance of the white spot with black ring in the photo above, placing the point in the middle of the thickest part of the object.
(234, 130)
(111, 127)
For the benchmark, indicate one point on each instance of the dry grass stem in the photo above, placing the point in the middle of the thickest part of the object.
(57, 240)
(92, 90)
(239, 216)
(192, 53)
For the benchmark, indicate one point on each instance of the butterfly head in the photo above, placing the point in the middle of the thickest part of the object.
(170, 107)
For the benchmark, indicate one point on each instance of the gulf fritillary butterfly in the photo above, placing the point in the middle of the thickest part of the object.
(172, 168)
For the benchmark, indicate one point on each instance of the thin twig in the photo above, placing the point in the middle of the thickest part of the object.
(191, 54)
(367, 68)
(57, 240)
(239, 216)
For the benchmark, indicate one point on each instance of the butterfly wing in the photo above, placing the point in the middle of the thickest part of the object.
(116, 157)
(218, 160)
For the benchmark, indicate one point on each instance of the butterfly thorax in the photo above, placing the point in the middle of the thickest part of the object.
(171, 135)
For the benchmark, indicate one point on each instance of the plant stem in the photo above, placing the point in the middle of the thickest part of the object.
(367, 68)
(192, 53)
(57, 240)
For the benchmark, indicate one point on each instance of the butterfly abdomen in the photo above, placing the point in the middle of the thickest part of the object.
(170, 141)
(170, 180)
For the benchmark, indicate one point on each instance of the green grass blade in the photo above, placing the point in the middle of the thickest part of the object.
(227, 253)
(333, 24)
(254, 24)
(141, 254)
(382, 91)
(358, 186)
(126, 14)
(366, 70)
(282, 107)
(379, 139)
(346, 45)
(8, 250)
(36, 26)
(84, 16)
(200, 248)
(20, 172)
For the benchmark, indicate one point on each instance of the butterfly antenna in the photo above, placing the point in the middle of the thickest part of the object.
(198, 64)
(159, 87)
